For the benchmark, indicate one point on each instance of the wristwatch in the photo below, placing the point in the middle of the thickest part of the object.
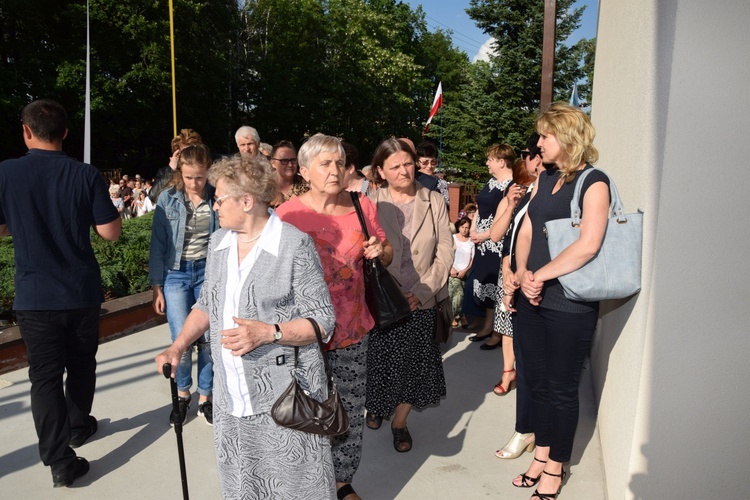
(277, 334)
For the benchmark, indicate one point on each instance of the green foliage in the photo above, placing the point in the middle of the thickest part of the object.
(7, 273)
(123, 263)
(500, 100)
(362, 70)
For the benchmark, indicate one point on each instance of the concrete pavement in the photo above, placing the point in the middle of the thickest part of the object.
(134, 453)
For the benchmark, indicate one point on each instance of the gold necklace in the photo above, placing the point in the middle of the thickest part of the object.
(251, 239)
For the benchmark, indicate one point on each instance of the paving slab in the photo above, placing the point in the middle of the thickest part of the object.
(134, 453)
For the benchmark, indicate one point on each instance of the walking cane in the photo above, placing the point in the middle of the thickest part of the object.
(167, 370)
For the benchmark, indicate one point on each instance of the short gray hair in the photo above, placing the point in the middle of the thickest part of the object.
(244, 174)
(246, 131)
(319, 143)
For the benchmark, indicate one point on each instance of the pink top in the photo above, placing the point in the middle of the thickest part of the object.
(339, 241)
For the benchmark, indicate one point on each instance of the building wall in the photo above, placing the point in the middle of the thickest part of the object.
(671, 105)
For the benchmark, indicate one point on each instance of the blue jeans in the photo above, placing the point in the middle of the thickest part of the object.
(181, 290)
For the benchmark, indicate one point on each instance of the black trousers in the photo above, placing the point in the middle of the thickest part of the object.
(59, 342)
(554, 345)
(524, 423)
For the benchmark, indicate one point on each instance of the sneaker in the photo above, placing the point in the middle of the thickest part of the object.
(206, 410)
(181, 416)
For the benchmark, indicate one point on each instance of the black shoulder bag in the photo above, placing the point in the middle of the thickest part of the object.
(385, 300)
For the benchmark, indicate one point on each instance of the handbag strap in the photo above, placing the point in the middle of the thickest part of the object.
(319, 336)
(360, 214)
(615, 207)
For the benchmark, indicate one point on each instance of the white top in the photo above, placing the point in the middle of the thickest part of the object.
(237, 273)
(464, 253)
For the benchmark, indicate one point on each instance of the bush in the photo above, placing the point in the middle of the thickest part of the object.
(124, 263)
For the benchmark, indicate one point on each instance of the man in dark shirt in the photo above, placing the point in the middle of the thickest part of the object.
(49, 202)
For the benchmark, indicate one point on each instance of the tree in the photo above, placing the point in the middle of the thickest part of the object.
(501, 100)
(43, 56)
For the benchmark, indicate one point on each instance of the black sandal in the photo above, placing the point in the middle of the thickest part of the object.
(373, 421)
(528, 481)
(550, 496)
(400, 437)
(345, 491)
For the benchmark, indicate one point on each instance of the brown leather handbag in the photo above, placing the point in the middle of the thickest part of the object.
(297, 410)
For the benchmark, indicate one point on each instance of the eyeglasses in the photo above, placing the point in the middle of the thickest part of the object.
(221, 199)
(428, 161)
(286, 161)
(525, 154)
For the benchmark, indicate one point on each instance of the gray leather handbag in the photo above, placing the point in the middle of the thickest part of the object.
(615, 271)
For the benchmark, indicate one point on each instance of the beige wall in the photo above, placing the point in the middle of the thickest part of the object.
(671, 106)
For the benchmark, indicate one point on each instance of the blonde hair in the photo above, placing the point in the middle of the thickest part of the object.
(574, 132)
(244, 174)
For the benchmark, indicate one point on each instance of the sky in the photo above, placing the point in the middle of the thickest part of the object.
(451, 14)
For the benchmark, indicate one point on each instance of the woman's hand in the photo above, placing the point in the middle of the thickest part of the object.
(413, 300)
(510, 282)
(515, 193)
(248, 335)
(479, 238)
(170, 355)
(158, 300)
(531, 288)
(454, 273)
(373, 248)
(508, 302)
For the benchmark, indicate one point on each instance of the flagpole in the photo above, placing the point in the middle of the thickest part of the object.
(174, 89)
(440, 148)
(87, 108)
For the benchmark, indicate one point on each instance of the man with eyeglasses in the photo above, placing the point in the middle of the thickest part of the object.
(248, 140)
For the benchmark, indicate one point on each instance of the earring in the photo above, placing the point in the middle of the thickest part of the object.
(246, 210)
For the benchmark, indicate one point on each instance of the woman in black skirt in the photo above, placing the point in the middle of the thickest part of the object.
(404, 364)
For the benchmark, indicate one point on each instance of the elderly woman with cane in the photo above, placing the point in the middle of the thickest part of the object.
(263, 278)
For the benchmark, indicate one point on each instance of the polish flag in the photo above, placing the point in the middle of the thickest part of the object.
(435, 106)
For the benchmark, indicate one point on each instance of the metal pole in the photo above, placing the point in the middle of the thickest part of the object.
(548, 53)
(174, 89)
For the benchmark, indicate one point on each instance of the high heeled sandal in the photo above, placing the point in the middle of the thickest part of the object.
(528, 481)
(550, 496)
(516, 446)
(502, 391)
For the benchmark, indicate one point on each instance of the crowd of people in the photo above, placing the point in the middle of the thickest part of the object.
(247, 250)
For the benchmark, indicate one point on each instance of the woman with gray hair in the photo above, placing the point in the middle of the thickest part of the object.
(263, 278)
(327, 214)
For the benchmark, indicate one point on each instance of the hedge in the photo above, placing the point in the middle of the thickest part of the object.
(124, 263)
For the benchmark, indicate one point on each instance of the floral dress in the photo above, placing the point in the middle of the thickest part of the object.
(487, 257)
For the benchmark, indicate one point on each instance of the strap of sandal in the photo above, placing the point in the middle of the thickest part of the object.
(540, 461)
(528, 481)
(544, 496)
(344, 491)
(560, 475)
